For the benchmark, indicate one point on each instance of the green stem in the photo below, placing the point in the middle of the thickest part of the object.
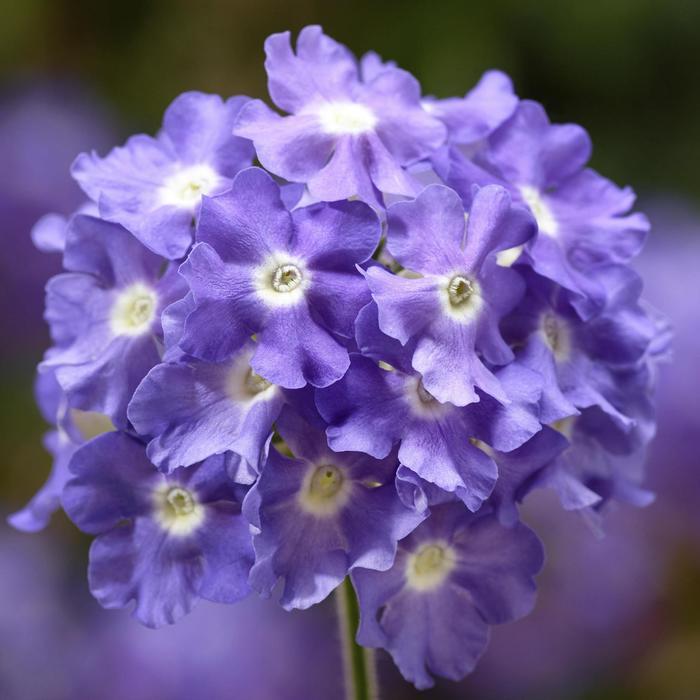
(358, 662)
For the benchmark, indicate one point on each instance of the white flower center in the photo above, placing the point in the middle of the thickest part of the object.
(185, 187)
(340, 118)
(556, 334)
(429, 566)
(134, 310)
(324, 491)
(281, 280)
(177, 509)
(461, 297)
(546, 222)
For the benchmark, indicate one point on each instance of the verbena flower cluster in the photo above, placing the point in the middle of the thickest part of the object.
(354, 360)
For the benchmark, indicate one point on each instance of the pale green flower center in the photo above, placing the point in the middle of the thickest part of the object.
(429, 566)
(177, 509)
(325, 490)
(134, 310)
(286, 278)
(459, 290)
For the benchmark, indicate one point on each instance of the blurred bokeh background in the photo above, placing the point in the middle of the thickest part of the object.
(617, 619)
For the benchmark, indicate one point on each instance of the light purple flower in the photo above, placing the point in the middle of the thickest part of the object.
(605, 461)
(49, 233)
(192, 410)
(583, 218)
(456, 295)
(346, 134)
(456, 575)
(479, 113)
(104, 315)
(578, 360)
(70, 428)
(154, 186)
(320, 514)
(518, 469)
(519, 472)
(373, 408)
(598, 379)
(163, 541)
(288, 278)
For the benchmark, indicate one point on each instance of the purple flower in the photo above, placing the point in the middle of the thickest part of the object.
(607, 444)
(194, 409)
(453, 300)
(583, 218)
(154, 186)
(518, 469)
(163, 541)
(604, 461)
(373, 407)
(49, 233)
(598, 377)
(372, 64)
(346, 134)
(71, 428)
(36, 514)
(481, 111)
(578, 360)
(288, 278)
(519, 472)
(104, 316)
(320, 514)
(456, 575)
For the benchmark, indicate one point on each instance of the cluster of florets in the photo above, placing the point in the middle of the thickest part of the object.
(354, 360)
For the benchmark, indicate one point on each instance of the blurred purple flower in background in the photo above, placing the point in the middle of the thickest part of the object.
(42, 127)
(85, 652)
(670, 269)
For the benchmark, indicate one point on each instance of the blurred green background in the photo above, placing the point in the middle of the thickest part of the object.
(627, 70)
